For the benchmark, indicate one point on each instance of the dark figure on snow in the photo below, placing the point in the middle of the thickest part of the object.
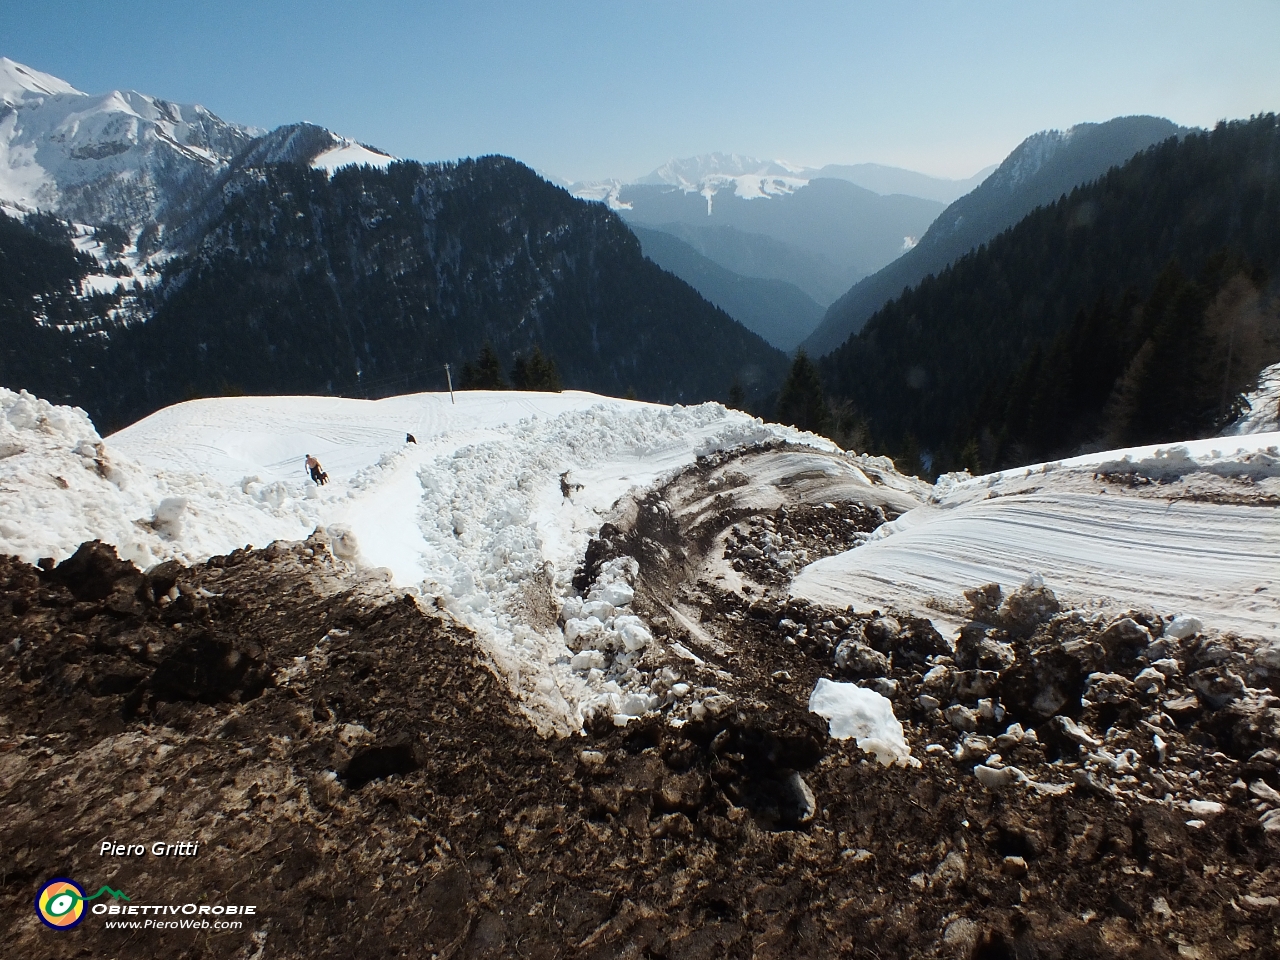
(409, 438)
(316, 471)
(567, 487)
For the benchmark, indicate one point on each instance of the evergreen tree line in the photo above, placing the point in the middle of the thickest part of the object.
(534, 372)
(51, 337)
(1134, 309)
(1127, 372)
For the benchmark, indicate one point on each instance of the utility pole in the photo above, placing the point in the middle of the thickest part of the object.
(449, 377)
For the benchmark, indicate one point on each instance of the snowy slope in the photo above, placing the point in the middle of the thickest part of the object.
(346, 153)
(126, 157)
(19, 83)
(1262, 413)
(472, 513)
(1189, 529)
(114, 157)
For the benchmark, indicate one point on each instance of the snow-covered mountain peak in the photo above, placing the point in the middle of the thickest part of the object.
(692, 173)
(608, 192)
(132, 159)
(708, 174)
(19, 82)
(119, 157)
(749, 178)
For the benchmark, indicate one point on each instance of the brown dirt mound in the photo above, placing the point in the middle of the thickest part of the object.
(349, 765)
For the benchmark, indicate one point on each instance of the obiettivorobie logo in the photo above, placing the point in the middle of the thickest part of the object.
(60, 902)
(60, 905)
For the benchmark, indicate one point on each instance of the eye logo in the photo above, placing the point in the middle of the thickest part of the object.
(60, 902)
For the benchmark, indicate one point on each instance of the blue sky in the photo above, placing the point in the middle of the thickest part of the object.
(592, 90)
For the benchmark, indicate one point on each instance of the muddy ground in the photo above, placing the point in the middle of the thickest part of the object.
(349, 764)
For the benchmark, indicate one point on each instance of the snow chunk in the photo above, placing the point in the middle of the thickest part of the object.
(866, 716)
(587, 660)
(167, 520)
(1205, 808)
(1183, 626)
(619, 593)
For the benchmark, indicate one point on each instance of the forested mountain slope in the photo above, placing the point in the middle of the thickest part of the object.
(1039, 171)
(368, 281)
(1132, 310)
(779, 311)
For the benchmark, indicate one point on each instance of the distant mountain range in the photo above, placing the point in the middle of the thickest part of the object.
(851, 237)
(695, 173)
(155, 252)
(820, 230)
(1040, 170)
(816, 230)
(886, 180)
(831, 222)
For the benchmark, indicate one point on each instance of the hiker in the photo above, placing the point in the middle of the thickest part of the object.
(567, 487)
(316, 471)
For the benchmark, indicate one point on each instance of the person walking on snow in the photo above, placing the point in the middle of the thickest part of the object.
(316, 471)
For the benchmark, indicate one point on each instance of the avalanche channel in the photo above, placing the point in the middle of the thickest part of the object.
(473, 513)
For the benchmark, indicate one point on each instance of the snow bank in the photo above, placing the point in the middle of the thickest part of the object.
(864, 715)
(61, 485)
(1190, 529)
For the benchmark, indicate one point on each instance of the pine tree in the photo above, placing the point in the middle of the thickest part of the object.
(538, 372)
(485, 373)
(737, 397)
(909, 462)
(801, 403)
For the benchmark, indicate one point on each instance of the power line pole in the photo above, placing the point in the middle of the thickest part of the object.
(449, 377)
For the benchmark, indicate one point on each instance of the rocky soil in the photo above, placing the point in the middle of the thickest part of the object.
(1085, 788)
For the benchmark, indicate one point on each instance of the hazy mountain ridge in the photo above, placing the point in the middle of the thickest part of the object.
(763, 257)
(889, 180)
(778, 311)
(830, 221)
(1041, 169)
(835, 224)
(694, 174)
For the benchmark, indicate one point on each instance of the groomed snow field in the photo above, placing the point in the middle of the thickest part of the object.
(1190, 528)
